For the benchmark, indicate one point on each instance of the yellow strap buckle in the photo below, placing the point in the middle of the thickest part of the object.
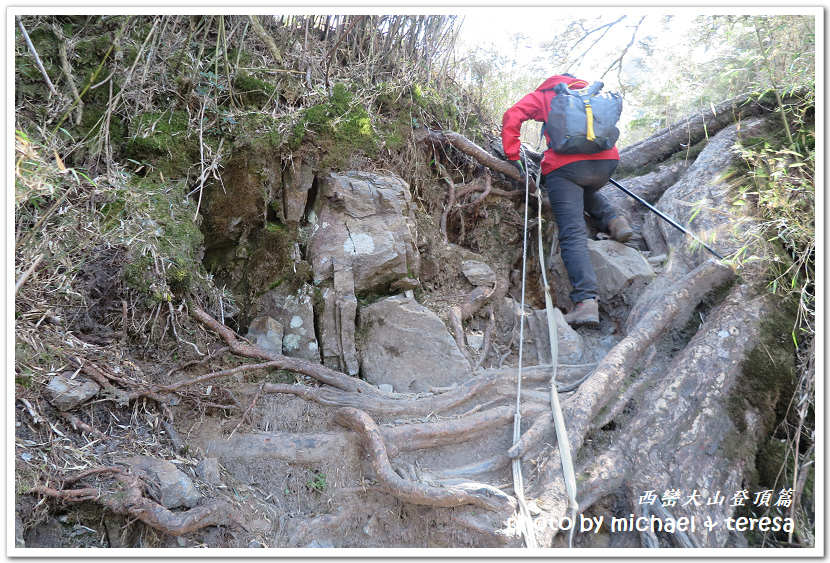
(590, 115)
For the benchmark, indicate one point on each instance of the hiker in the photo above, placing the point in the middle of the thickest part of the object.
(573, 182)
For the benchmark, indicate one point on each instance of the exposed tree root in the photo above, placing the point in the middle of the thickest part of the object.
(684, 412)
(319, 372)
(480, 495)
(504, 380)
(127, 498)
(611, 471)
(614, 409)
(488, 334)
(411, 437)
(471, 149)
(603, 385)
(476, 299)
(448, 208)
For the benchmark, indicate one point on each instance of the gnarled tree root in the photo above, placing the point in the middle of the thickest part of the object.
(476, 299)
(605, 382)
(129, 500)
(422, 406)
(410, 437)
(707, 370)
(671, 139)
(319, 372)
(480, 495)
(469, 148)
(706, 457)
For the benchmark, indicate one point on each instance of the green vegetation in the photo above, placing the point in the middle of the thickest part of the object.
(162, 138)
(342, 126)
(317, 482)
(253, 91)
(778, 190)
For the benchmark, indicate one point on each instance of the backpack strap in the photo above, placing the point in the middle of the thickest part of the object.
(589, 114)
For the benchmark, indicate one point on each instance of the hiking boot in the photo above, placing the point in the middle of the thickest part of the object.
(586, 312)
(619, 229)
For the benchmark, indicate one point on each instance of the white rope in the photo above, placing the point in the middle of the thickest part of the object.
(558, 419)
(524, 520)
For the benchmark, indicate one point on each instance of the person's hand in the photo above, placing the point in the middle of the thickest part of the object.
(518, 164)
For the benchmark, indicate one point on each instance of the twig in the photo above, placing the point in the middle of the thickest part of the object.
(37, 58)
(78, 423)
(175, 333)
(213, 375)
(337, 44)
(248, 410)
(204, 360)
(67, 71)
(201, 157)
(27, 273)
(36, 227)
(123, 321)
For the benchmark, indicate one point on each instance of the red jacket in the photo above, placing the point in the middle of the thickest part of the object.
(536, 106)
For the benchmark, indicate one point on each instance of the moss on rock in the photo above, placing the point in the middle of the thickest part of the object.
(342, 127)
(168, 231)
(163, 140)
(253, 91)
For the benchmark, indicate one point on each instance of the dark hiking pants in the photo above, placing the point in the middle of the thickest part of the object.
(574, 189)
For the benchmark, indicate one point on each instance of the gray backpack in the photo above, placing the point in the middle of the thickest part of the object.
(583, 121)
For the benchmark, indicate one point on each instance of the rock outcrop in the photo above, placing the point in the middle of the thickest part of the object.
(407, 346)
(362, 222)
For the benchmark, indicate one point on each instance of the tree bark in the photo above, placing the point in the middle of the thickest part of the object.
(684, 134)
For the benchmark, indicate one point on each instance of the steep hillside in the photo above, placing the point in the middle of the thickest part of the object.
(269, 279)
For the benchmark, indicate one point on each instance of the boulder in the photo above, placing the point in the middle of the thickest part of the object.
(295, 313)
(621, 270)
(407, 346)
(166, 484)
(571, 344)
(65, 393)
(337, 322)
(362, 221)
(297, 180)
(574, 347)
(208, 469)
(478, 273)
(266, 333)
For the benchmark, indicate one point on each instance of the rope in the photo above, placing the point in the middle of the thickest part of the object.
(558, 419)
(524, 520)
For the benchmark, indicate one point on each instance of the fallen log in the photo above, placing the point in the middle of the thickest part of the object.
(704, 124)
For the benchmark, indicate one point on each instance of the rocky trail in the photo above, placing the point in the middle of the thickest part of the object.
(277, 287)
(418, 451)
